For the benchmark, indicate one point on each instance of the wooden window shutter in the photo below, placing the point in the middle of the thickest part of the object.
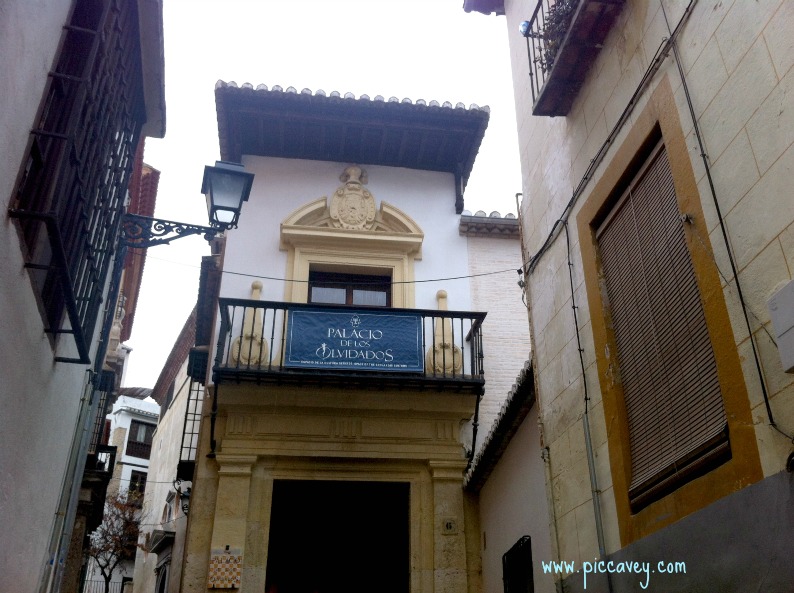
(676, 418)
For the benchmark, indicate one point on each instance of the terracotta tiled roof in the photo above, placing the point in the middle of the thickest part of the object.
(516, 407)
(494, 224)
(176, 358)
(287, 123)
(143, 195)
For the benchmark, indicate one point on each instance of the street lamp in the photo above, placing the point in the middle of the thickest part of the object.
(226, 186)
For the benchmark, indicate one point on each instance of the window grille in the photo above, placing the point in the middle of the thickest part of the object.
(676, 418)
(106, 381)
(72, 186)
(190, 431)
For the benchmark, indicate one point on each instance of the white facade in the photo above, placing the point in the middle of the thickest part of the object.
(37, 393)
(281, 186)
(44, 402)
(127, 410)
(513, 505)
(478, 273)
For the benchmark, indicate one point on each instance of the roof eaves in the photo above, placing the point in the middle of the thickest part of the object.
(470, 122)
(176, 358)
(518, 404)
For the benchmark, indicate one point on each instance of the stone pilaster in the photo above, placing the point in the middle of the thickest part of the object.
(449, 545)
(258, 528)
(231, 508)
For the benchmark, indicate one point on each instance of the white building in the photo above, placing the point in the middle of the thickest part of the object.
(130, 427)
(69, 134)
(356, 214)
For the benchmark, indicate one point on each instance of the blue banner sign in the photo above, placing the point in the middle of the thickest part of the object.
(342, 340)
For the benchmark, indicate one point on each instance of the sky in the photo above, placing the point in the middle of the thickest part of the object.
(416, 49)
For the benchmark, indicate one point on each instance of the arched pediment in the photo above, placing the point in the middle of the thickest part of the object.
(389, 218)
(347, 232)
(350, 216)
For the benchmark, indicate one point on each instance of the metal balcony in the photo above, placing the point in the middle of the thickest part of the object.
(561, 54)
(257, 343)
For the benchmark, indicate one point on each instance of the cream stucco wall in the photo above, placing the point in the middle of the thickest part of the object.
(513, 504)
(505, 333)
(37, 393)
(166, 449)
(281, 186)
(737, 58)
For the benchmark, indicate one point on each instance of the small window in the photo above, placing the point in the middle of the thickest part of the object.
(517, 567)
(139, 441)
(137, 486)
(349, 289)
(140, 432)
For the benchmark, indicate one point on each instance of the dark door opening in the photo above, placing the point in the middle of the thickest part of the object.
(335, 537)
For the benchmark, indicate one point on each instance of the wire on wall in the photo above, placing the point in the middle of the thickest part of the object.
(724, 231)
(301, 281)
(661, 53)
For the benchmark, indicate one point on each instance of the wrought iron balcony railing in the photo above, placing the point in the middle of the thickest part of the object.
(267, 341)
(564, 38)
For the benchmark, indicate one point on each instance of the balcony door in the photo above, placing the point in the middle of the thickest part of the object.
(338, 537)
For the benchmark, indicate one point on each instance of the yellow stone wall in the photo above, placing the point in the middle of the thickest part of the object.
(269, 433)
(738, 65)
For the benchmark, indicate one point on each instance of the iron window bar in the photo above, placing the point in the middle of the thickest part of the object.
(61, 268)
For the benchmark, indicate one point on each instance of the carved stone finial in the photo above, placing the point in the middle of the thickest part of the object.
(352, 206)
(354, 174)
(250, 348)
(444, 357)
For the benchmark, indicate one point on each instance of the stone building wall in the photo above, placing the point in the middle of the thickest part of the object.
(737, 59)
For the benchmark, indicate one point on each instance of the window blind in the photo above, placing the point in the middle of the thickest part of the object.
(674, 406)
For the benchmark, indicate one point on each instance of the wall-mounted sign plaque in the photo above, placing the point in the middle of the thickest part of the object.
(350, 340)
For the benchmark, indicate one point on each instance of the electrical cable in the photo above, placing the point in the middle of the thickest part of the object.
(277, 279)
(661, 53)
(595, 490)
(723, 229)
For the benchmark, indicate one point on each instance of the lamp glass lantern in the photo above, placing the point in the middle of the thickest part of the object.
(226, 186)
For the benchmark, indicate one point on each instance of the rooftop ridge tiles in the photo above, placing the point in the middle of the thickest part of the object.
(365, 98)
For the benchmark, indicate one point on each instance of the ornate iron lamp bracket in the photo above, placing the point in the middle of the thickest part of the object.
(143, 231)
